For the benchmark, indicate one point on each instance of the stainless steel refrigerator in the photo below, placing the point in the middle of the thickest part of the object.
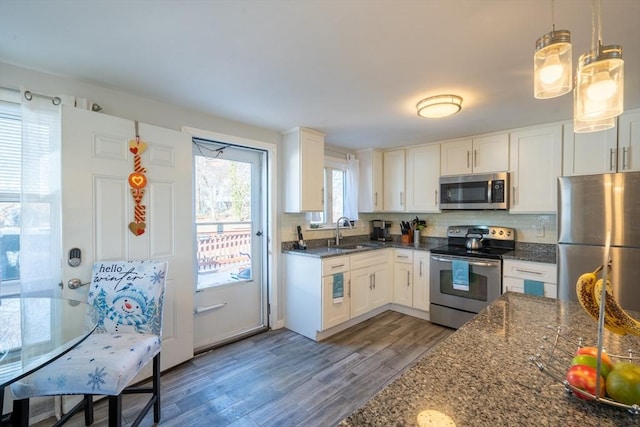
(588, 207)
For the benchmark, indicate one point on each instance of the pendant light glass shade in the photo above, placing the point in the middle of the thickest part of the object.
(552, 65)
(590, 126)
(600, 85)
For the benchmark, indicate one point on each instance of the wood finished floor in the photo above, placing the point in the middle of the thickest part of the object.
(280, 378)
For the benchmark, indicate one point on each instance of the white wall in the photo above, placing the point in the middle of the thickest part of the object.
(123, 104)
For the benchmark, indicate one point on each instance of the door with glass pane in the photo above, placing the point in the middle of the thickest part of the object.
(231, 297)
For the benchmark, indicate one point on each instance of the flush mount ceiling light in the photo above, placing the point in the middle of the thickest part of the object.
(439, 106)
(600, 79)
(552, 63)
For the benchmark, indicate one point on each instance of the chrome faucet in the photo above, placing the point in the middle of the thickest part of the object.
(338, 228)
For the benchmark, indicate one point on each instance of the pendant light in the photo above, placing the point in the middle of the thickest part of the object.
(590, 126)
(552, 63)
(600, 79)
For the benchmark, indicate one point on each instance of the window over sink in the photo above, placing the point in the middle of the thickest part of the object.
(337, 191)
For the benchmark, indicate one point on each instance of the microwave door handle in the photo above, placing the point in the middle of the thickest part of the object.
(489, 195)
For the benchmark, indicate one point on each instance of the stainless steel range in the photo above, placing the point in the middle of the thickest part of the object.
(463, 280)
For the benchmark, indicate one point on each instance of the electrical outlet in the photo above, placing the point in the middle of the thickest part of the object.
(539, 230)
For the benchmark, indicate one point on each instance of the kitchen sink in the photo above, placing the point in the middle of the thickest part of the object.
(343, 249)
(358, 246)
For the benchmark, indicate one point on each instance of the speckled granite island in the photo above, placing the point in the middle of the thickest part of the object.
(481, 374)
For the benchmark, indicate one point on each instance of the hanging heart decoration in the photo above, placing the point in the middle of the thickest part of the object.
(137, 182)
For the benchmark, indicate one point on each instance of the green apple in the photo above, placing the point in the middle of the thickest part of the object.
(588, 360)
(623, 383)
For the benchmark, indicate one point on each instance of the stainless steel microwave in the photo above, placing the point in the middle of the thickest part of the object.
(480, 191)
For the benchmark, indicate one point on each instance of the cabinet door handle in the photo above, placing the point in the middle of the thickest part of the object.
(337, 266)
(402, 256)
(375, 197)
(468, 155)
(374, 280)
(475, 158)
(401, 198)
(514, 194)
(529, 271)
(611, 158)
(408, 278)
(436, 197)
(624, 158)
(349, 288)
(370, 281)
(420, 268)
(322, 196)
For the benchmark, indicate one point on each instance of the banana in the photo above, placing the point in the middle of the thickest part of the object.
(615, 315)
(585, 290)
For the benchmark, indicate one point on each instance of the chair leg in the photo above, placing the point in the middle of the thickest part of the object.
(115, 411)
(156, 388)
(20, 415)
(88, 409)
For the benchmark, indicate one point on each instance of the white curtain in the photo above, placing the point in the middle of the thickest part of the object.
(351, 188)
(40, 238)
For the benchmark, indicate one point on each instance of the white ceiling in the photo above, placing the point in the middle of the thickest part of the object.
(353, 68)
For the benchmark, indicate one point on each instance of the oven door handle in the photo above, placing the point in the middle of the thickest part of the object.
(476, 263)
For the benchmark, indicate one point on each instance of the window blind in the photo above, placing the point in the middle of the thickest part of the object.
(10, 151)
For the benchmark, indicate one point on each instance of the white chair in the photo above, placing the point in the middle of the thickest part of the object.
(128, 296)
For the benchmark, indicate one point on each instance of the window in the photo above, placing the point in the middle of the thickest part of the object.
(334, 195)
(10, 187)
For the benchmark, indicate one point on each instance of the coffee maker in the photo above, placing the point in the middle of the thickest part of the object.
(380, 230)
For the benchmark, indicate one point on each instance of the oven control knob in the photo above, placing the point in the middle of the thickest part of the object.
(501, 232)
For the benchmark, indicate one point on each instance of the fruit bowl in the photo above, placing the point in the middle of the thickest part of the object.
(555, 360)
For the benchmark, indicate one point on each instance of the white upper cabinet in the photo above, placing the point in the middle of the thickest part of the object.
(422, 178)
(303, 170)
(612, 150)
(478, 155)
(588, 153)
(536, 164)
(629, 141)
(370, 182)
(394, 185)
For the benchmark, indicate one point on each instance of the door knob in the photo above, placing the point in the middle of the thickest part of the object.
(75, 283)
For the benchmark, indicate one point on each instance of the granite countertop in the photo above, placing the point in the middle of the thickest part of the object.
(348, 249)
(523, 252)
(482, 374)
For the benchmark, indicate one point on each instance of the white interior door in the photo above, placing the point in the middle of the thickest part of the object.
(97, 208)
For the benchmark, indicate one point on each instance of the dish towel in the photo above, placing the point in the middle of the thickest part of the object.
(533, 287)
(460, 275)
(338, 288)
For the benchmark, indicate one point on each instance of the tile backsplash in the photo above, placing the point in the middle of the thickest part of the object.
(540, 228)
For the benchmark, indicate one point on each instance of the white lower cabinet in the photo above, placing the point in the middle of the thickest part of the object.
(411, 278)
(313, 305)
(370, 281)
(335, 305)
(402, 277)
(516, 272)
(421, 280)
